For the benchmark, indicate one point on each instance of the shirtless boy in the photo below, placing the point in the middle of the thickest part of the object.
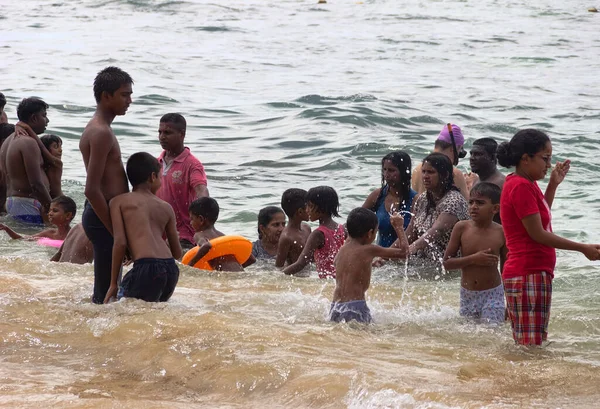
(204, 213)
(54, 166)
(105, 173)
(76, 249)
(140, 221)
(294, 235)
(353, 264)
(481, 243)
(62, 210)
(21, 163)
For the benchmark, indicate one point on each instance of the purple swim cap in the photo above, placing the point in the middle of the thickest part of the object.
(458, 136)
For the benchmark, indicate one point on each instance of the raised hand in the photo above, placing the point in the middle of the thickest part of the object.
(560, 171)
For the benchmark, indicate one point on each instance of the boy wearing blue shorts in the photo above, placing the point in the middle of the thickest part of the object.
(140, 220)
(482, 245)
(354, 260)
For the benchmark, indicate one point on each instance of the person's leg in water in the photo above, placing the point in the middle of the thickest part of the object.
(102, 241)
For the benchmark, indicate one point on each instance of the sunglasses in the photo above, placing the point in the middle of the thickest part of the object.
(457, 154)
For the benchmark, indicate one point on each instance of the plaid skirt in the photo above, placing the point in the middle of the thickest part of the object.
(528, 300)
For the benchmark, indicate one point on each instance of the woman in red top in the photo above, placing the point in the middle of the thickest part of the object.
(527, 223)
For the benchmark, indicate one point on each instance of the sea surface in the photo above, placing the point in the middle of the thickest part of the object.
(281, 94)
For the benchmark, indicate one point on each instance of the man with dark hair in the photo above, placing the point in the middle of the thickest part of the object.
(105, 172)
(22, 165)
(483, 164)
(183, 177)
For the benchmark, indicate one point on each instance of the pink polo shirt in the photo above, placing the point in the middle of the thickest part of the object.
(178, 183)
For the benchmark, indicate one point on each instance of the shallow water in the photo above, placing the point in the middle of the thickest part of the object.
(298, 94)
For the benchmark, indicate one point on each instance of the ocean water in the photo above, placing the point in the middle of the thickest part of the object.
(292, 93)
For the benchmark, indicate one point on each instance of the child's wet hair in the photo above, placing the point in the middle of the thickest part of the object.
(360, 222)
(325, 199)
(265, 216)
(206, 207)
(66, 203)
(525, 142)
(140, 166)
(487, 189)
(292, 200)
(48, 140)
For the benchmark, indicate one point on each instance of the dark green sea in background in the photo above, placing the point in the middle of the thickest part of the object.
(294, 94)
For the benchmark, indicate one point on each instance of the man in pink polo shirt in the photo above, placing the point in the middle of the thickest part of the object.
(183, 177)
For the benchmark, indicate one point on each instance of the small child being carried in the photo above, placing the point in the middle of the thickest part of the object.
(324, 243)
(482, 244)
(140, 220)
(61, 212)
(353, 264)
(204, 213)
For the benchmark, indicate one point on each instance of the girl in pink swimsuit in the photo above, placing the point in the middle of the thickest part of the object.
(323, 243)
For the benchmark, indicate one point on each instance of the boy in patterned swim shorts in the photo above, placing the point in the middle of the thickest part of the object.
(482, 244)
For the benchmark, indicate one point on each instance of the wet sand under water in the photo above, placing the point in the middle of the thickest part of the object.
(261, 339)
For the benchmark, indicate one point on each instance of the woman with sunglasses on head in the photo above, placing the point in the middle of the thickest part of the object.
(526, 219)
(450, 142)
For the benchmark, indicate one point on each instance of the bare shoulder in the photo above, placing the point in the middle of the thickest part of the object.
(116, 201)
(498, 228)
(96, 130)
(462, 225)
(306, 228)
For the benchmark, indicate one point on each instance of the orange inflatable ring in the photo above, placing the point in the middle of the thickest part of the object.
(237, 246)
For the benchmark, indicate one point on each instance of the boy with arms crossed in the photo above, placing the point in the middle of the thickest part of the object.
(482, 244)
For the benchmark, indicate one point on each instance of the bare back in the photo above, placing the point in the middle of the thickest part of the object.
(23, 166)
(475, 239)
(102, 159)
(353, 272)
(145, 218)
(77, 248)
(296, 238)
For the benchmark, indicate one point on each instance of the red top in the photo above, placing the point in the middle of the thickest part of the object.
(325, 256)
(178, 183)
(521, 198)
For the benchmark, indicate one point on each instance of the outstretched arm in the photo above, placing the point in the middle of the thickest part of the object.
(443, 223)
(533, 225)
(315, 240)
(11, 233)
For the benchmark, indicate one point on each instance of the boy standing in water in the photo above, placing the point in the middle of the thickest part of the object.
(353, 264)
(140, 221)
(294, 235)
(105, 173)
(482, 244)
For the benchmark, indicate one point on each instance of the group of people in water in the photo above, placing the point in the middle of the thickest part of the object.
(495, 229)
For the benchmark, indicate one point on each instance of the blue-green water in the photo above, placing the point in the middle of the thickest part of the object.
(295, 94)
